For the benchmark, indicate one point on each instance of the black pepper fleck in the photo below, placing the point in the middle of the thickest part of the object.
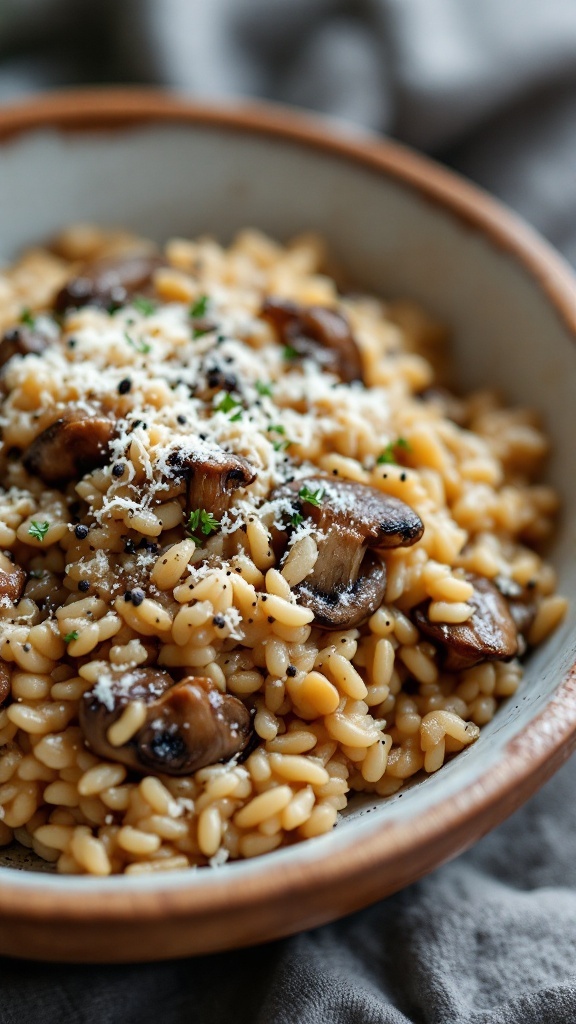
(291, 671)
(84, 585)
(219, 621)
(137, 597)
(118, 469)
(124, 386)
(81, 531)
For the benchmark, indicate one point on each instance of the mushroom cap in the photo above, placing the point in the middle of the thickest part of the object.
(316, 332)
(23, 341)
(109, 281)
(212, 476)
(11, 585)
(378, 520)
(489, 634)
(188, 725)
(4, 684)
(71, 446)
(348, 582)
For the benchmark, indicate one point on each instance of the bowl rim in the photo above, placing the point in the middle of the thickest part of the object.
(453, 824)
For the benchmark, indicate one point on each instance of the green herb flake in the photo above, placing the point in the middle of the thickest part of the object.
(201, 521)
(296, 519)
(263, 388)
(228, 403)
(388, 455)
(38, 530)
(277, 428)
(143, 305)
(71, 636)
(27, 317)
(281, 446)
(289, 352)
(199, 308)
(312, 497)
(141, 346)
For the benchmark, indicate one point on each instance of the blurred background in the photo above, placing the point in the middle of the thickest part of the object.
(486, 86)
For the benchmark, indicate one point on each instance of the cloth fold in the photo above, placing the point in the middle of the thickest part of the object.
(489, 88)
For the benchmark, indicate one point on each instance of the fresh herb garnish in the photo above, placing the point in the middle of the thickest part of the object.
(263, 388)
(199, 308)
(71, 636)
(281, 446)
(203, 521)
(141, 346)
(38, 530)
(228, 403)
(312, 497)
(289, 352)
(296, 519)
(277, 428)
(27, 317)
(388, 455)
(144, 306)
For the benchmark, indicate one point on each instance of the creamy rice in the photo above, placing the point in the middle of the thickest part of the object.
(194, 475)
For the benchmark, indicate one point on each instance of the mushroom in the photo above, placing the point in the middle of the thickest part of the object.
(71, 446)
(12, 582)
(180, 727)
(22, 341)
(109, 281)
(316, 332)
(489, 634)
(4, 684)
(212, 476)
(354, 523)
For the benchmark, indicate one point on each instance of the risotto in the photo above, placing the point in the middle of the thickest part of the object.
(255, 557)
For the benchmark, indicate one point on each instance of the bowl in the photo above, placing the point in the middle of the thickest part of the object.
(400, 225)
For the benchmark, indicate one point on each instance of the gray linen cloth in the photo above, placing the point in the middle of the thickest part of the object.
(488, 86)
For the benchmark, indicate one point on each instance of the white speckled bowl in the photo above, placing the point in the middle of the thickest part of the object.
(402, 226)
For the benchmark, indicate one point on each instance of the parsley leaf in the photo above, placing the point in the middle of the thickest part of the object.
(203, 521)
(27, 317)
(38, 530)
(296, 519)
(281, 446)
(199, 308)
(289, 352)
(71, 636)
(144, 306)
(312, 497)
(228, 403)
(277, 428)
(388, 455)
(141, 346)
(263, 388)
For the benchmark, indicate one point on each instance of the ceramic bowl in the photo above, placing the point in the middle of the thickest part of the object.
(401, 226)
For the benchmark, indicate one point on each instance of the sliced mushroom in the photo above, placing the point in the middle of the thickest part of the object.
(211, 476)
(4, 684)
(318, 333)
(22, 341)
(108, 282)
(12, 582)
(73, 445)
(489, 634)
(348, 581)
(186, 725)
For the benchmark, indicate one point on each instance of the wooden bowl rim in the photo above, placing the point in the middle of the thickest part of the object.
(532, 756)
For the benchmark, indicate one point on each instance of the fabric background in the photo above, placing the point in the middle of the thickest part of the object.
(489, 87)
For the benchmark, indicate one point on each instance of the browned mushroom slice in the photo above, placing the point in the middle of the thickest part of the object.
(181, 727)
(318, 333)
(22, 341)
(4, 683)
(108, 282)
(73, 445)
(212, 476)
(11, 585)
(489, 634)
(348, 581)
